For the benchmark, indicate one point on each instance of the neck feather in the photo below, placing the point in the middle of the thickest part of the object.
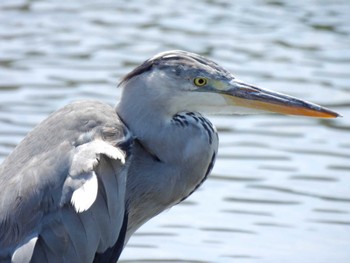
(186, 154)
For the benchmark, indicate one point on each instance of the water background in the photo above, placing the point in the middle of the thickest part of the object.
(280, 190)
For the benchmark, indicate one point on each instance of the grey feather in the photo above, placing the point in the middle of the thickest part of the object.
(88, 140)
(40, 196)
(80, 149)
(86, 178)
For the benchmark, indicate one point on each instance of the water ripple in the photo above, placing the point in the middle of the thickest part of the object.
(278, 179)
(295, 192)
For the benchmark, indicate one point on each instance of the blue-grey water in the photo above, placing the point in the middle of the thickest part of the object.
(280, 190)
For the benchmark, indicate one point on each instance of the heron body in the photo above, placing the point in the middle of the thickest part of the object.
(86, 178)
(36, 202)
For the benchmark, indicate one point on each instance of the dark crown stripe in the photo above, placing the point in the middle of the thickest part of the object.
(170, 59)
(145, 66)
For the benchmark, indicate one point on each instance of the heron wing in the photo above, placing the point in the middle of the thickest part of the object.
(64, 186)
(112, 253)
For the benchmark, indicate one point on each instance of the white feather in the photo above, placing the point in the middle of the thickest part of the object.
(24, 252)
(81, 186)
(113, 152)
(86, 156)
(85, 195)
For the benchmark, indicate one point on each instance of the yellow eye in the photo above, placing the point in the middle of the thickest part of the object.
(200, 82)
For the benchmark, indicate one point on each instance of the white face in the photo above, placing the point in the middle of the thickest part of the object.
(211, 103)
(182, 94)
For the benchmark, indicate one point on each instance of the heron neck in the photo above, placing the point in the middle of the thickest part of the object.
(147, 117)
(184, 153)
(149, 123)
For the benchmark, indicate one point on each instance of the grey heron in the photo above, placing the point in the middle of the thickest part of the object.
(87, 177)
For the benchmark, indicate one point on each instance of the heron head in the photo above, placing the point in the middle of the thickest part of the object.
(184, 81)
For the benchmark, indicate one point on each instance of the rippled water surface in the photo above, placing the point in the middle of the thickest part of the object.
(280, 190)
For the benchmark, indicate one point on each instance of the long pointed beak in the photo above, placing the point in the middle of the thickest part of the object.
(245, 95)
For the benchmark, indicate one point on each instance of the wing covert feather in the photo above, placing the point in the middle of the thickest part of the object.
(42, 174)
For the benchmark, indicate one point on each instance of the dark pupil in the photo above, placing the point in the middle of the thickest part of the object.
(201, 81)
